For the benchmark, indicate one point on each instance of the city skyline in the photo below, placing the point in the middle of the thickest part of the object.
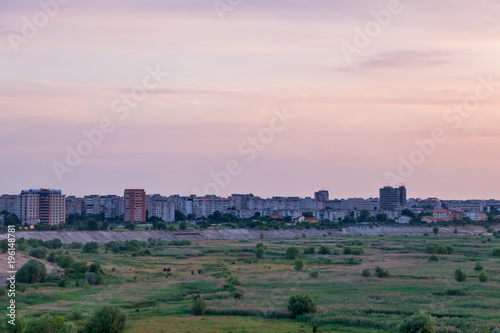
(361, 99)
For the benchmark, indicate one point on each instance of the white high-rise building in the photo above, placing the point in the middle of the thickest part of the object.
(42, 206)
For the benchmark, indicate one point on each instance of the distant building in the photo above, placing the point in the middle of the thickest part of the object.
(9, 203)
(442, 214)
(42, 206)
(134, 205)
(92, 204)
(392, 198)
(75, 205)
(322, 196)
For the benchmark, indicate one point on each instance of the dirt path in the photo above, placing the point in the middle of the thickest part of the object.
(21, 259)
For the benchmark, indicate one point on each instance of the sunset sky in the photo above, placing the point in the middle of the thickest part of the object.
(228, 77)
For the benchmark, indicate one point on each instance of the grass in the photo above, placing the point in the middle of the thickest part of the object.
(347, 302)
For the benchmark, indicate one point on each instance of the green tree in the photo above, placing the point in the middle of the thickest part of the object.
(479, 267)
(434, 258)
(435, 230)
(483, 276)
(366, 273)
(39, 252)
(179, 216)
(496, 252)
(298, 264)
(460, 275)
(324, 250)
(90, 247)
(301, 304)
(292, 253)
(33, 271)
(199, 306)
(381, 273)
(106, 319)
(420, 322)
(259, 253)
(183, 225)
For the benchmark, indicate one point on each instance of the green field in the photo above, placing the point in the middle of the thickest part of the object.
(347, 302)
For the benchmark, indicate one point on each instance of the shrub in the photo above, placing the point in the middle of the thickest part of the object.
(434, 258)
(496, 252)
(45, 324)
(199, 306)
(259, 253)
(301, 304)
(298, 264)
(310, 250)
(420, 322)
(479, 267)
(68, 328)
(33, 271)
(314, 274)
(65, 261)
(90, 247)
(270, 314)
(460, 275)
(51, 257)
(259, 245)
(292, 253)
(107, 319)
(19, 327)
(366, 273)
(39, 252)
(483, 276)
(325, 250)
(381, 273)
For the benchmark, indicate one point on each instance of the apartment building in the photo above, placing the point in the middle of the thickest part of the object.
(134, 205)
(42, 206)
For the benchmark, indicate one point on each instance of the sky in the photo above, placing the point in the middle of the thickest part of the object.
(278, 98)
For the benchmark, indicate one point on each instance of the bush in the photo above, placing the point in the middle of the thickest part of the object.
(51, 257)
(479, 267)
(434, 258)
(298, 264)
(325, 250)
(259, 245)
(496, 252)
(68, 328)
(107, 319)
(381, 273)
(90, 247)
(366, 273)
(39, 252)
(314, 274)
(259, 253)
(33, 271)
(460, 275)
(310, 250)
(301, 304)
(420, 322)
(45, 324)
(270, 314)
(20, 324)
(199, 306)
(483, 277)
(292, 253)
(357, 251)
(65, 261)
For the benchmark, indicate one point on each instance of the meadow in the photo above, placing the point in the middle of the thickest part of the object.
(156, 291)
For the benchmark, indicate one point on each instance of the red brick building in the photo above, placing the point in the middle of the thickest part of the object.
(134, 205)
